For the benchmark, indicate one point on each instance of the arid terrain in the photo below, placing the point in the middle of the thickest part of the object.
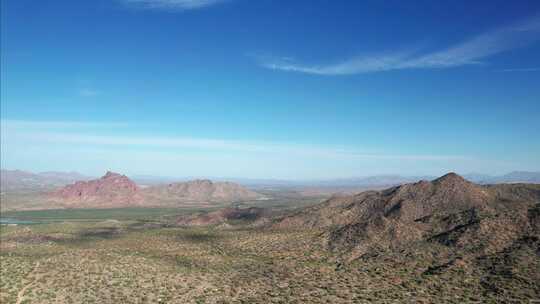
(26, 191)
(263, 151)
(442, 241)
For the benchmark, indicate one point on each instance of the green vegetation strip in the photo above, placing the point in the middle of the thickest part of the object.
(96, 214)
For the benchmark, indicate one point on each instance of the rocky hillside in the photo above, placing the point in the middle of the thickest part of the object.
(201, 191)
(110, 191)
(114, 190)
(448, 211)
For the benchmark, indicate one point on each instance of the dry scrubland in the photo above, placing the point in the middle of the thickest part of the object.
(150, 262)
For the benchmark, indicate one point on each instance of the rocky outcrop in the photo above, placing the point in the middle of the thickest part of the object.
(110, 191)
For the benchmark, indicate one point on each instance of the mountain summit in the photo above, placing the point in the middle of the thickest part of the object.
(111, 190)
(451, 178)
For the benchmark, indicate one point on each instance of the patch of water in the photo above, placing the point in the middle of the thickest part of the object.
(14, 221)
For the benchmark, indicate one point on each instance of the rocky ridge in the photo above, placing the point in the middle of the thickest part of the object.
(448, 211)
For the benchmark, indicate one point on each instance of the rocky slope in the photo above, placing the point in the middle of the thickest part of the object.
(449, 211)
(201, 191)
(111, 190)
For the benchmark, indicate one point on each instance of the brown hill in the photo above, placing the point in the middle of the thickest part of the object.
(448, 211)
(201, 191)
(110, 191)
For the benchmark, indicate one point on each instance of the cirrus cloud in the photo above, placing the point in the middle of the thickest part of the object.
(469, 52)
(173, 5)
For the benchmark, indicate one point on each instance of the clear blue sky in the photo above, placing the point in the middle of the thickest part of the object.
(267, 88)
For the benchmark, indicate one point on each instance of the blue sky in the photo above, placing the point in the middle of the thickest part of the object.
(270, 89)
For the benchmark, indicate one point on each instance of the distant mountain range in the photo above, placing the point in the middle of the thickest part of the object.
(381, 180)
(17, 180)
(512, 177)
(367, 181)
(113, 190)
(23, 180)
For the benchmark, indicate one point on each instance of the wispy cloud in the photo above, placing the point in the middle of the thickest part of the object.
(88, 92)
(521, 70)
(93, 134)
(14, 124)
(172, 4)
(469, 52)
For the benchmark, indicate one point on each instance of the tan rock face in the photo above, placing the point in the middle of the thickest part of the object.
(449, 210)
(202, 191)
(111, 190)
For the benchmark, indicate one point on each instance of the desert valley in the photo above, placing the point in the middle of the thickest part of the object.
(267, 151)
(110, 240)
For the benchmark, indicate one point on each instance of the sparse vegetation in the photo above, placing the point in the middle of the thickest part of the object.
(130, 261)
(284, 254)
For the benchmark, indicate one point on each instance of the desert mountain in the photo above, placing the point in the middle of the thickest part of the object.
(448, 211)
(111, 190)
(114, 190)
(16, 180)
(201, 191)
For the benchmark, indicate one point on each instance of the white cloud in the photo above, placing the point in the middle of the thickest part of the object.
(94, 134)
(172, 4)
(467, 53)
(351, 66)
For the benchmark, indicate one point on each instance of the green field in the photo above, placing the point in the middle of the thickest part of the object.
(55, 215)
